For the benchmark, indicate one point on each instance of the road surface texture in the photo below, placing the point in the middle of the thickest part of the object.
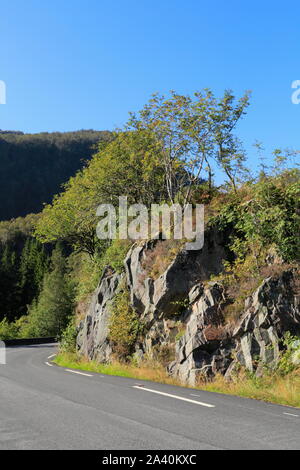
(48, 407)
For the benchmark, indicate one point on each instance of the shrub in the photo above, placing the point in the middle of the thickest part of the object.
(85, 272)
(8, 330)
(124, 325)
(68, 338)
(115, 255)
(288, 361)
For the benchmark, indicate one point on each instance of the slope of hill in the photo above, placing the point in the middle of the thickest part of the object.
(34, 166)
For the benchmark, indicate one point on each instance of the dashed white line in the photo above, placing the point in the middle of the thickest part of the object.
(79, 373)
(208, 405)
(48, 364)
(52, 355)
(291, 414)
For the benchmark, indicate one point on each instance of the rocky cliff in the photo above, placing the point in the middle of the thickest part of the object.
(182, 314)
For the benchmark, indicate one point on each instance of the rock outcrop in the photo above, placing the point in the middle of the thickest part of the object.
(205, 347)
(269, 313)
(183, 316)
(93, 332)
(151, 297)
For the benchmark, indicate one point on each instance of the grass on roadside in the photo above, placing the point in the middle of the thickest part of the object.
(284, 390)
(148, 371)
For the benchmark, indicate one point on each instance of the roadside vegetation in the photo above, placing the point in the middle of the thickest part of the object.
(273, 387)
(280, 385)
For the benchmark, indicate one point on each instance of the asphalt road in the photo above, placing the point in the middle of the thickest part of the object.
(47, 407)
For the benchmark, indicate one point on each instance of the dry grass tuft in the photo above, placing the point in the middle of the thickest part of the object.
(148, 370)
(215, 333)
(274, 388)
(156, 261)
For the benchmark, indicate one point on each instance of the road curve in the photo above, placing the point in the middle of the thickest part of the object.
(47, 407)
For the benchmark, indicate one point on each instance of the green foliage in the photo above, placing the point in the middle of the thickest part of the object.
(8, 330)
(86, 271)
(14, 330)
(9, 286)
(17, 230)
(181, 305)
(290, 357)
(196, 135)
(130, 165)
(263, 214)
(115, 255)
(34, 263)
(67, 340)
(124, 325)
(50, 313)
(21, 273)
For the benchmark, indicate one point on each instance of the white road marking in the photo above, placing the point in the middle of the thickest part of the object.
(175, 396)
(291, 414)
(50, 365)
(76, 372)
(53, 355)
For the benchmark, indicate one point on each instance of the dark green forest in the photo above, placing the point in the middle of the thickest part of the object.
(33, 169)
(34, 166)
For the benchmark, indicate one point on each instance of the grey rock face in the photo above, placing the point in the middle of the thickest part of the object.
(204, 349)
(208, 348)
(269, 313)
(92, 339)
(151, 297)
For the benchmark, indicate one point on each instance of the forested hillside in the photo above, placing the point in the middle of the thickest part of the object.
(34, 166)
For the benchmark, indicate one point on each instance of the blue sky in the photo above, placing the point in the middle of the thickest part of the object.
(74, 64)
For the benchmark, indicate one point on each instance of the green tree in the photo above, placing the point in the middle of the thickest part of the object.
(130, 165)
(33, 265)
(49, 315)
(196, 135)
(9, 285)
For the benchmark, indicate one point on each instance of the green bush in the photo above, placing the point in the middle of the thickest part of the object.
(115, 254)
(289, 358)
(8, 330)
(124, 325)
(68, 338)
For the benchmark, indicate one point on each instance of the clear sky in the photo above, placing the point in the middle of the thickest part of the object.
(75, 64)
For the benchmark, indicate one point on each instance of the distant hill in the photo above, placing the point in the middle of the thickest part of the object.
(34, 166)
